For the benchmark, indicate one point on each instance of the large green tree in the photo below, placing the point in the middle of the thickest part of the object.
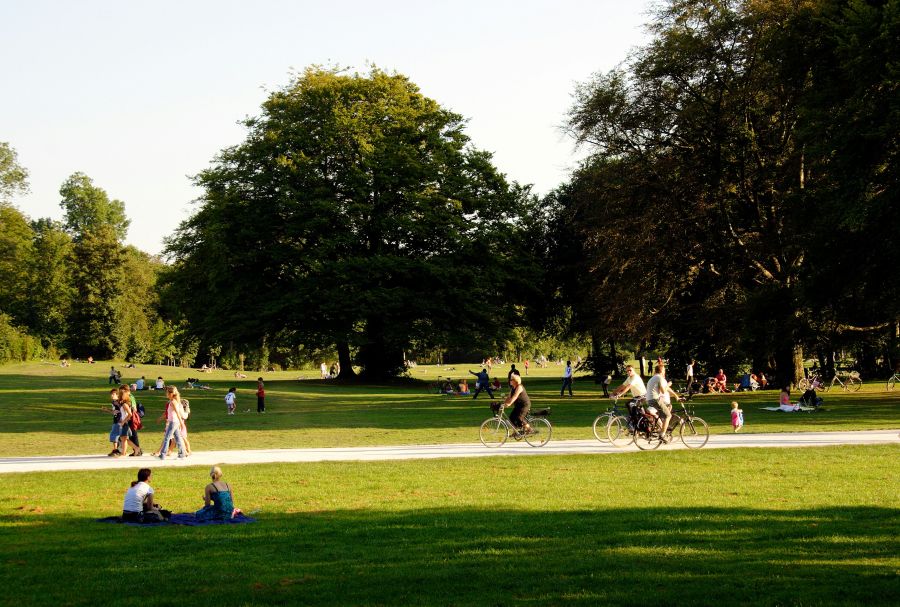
(356, 213)
(97, 226)
(88, 207)
(13, 176)
(710, 181)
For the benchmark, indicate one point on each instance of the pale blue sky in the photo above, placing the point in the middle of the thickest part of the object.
(141, 95)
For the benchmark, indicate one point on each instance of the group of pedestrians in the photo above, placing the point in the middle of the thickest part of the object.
(127, 421)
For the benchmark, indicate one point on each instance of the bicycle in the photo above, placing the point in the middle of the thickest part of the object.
(893, 381)
(496, 430)
(853, 383)
(620, 428)
(814, 381)
(693, 431)
(602, 420)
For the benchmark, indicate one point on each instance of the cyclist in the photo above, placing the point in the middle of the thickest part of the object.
(658, 393)
(633, 381)
(521, 404)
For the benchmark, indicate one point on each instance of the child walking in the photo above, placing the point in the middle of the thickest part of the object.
(230, 399)
(260, 396)
(737, 416)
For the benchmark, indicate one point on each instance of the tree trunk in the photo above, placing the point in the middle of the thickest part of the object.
(789, 365)
(344, 361)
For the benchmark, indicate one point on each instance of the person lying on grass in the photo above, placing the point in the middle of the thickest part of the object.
(139, 506)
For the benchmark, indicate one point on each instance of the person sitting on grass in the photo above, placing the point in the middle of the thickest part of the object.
(518, 397)
(721, 382)
(218, 499)
(139, 506)
(784, 402)
(463, 387)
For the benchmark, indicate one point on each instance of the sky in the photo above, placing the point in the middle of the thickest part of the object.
(141, 96)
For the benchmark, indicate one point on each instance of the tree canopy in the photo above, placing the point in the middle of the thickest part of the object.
(723, 191)
(357, 213)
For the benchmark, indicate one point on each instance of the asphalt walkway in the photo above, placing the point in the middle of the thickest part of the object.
(402, 452)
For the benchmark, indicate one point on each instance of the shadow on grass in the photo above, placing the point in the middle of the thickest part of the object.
(636, 556)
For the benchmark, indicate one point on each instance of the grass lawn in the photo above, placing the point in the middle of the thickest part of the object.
(735, 527)
(48, 410)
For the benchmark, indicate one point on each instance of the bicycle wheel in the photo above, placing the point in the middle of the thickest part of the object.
(618, 432)
(541, 432)
(599, 427)
(854, 384)
(694, 433)
(891, 383)
(803, 385)
(493, 432)
(647, 439)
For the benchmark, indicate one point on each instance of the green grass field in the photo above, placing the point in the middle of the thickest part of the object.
(736, 527)
(733, 526)
(48, 410)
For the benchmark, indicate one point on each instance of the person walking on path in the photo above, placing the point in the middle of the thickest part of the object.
(174, 424)
(482, 383)
(261, 395)
(567, 379)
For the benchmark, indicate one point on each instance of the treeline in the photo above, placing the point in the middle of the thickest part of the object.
(737, 205)
(740, 200)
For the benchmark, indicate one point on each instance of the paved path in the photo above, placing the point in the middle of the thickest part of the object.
(512, 448)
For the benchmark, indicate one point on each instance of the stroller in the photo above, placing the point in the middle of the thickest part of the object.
(811, 399)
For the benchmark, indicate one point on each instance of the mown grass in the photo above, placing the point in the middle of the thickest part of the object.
(735, 527)
(48, 410)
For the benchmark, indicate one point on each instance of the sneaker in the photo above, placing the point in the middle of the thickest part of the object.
(113, 453)
(162, 456)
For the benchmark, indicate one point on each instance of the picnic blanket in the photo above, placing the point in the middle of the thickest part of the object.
(780, 409)
(185, 518)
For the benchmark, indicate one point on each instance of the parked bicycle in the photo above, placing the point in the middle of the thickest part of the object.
(496, 430)
(893, 381)
(814, 381)
(647, 433)
(851, 382)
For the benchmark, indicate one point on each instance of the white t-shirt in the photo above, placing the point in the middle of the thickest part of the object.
(636, 384)
(160, 384)
(568, 371)
(229, 399)
(690, 370)
(134, 497)
(656, 387)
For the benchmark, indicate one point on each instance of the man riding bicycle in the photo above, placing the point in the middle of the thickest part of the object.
(658, 393)
(633, 381)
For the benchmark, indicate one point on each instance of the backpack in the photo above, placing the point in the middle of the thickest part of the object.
(186, 405)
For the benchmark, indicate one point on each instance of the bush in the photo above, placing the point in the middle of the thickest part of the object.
(16, 345)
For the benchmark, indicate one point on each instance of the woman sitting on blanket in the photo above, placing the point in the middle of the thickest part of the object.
(785, 402)
(138, 506)
(218, 498)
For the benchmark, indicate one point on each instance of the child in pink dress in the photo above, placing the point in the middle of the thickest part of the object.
(737, 416)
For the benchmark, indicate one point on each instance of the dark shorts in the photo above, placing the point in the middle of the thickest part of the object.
(517, 417)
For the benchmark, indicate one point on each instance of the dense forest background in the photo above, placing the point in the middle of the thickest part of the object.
(737, 205)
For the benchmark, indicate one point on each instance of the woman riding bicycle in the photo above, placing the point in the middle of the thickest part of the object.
(521, 404)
